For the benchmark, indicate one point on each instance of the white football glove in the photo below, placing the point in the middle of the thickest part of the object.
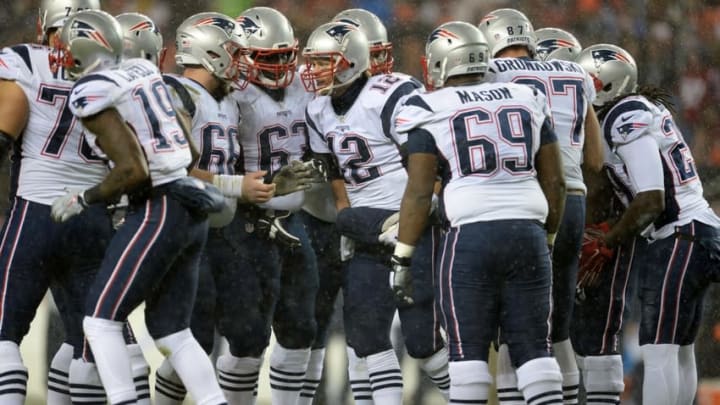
(347, 248)
(67, 206)
(401, 281)
(389, 230)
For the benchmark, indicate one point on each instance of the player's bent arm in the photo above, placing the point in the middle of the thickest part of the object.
(417, 199)
(645, 171)
(117, 140)
(642, 211)
(14, 112)
(552, 181)
(593, 156)
(250, 188)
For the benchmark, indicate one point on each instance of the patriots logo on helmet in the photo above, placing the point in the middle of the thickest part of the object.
(248, 25)
(85, 30)
(605, 55)
(144, 26)
(441, 33)
(339, 31)
(222, 23)
(627, 129)
(549, 45)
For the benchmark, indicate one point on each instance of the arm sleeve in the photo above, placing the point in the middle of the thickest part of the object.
(291, 202)
(643, 164)
(92, 94)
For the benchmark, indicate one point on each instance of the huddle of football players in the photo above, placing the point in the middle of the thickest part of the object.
(515, 200)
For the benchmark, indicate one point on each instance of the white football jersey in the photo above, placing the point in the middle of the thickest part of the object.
(136, 90)
(486, 137)
(569, 90)
(362, 142)
(214, 124)
(636, 117)
(54, 152)
(273, 133)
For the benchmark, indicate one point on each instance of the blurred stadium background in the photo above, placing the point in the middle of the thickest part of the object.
(676, 45)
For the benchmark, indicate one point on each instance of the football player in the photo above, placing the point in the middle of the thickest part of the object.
(653, 173)
(555, 43)
(153, 257)
(50, 154)
(570, 92)
(202, 92)
(495, 146)
(349, 122)
(276, 293)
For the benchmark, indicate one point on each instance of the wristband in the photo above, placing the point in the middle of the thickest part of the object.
(229, 185)
(551, 238)
(403, 250)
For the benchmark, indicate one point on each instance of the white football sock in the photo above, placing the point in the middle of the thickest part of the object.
(359, 380)
(565, 356)
(58, 385)
(193, 366)
(287, 371)
(603, 379)
(506, 379)
(111, 357)
(313, 375)
(13, 374)
(436, 367)
(688, 374)
(85, 384)
(239, 378)
(661, 381)
(141, 374)
(540, 381)
(385, 378)
(169, 389)
(469, 382)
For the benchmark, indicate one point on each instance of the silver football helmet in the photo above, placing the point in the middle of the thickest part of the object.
(381, 58)
(215, 42)
(556, 43)
(506, 27)
(89, 40)
(613, 70)
(452, 49)
(53, 13)
(336, 54)
(142, 37)
(272, 45)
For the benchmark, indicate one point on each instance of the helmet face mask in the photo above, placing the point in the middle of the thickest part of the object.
(272, 45)
(381, 57)
(142, 37)
(89, 40)
(453, 49)
(336, 55)
(555, 43)
(215, 42)
(613, 70)
(507, 27)
(53, 13)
